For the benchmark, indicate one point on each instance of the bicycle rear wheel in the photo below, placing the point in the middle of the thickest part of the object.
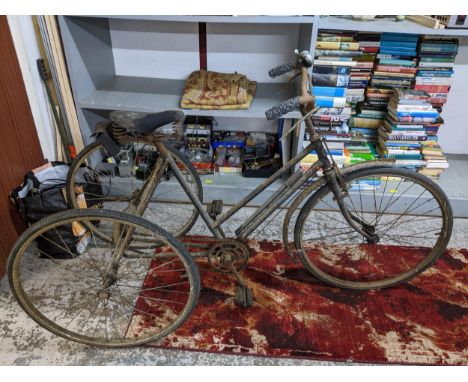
(60, 274)
(410, 214)
(170, 208)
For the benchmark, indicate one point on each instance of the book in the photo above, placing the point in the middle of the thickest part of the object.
(433, 88)
(433, 81)
(334, 62)
(431, 64)
(328, 91)
(436, 59)
(330, 69)
(334, 52)
(392, 61)
(394, 74)
(396, 69)
(330, 101)
(330, 80)
(398, 44)
(334, 38)
(365, 122)
(337, 45)
(390, 36)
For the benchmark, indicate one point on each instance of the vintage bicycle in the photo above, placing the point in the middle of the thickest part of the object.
(128, 280)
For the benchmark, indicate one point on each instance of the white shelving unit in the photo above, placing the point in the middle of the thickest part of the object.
(106, 54)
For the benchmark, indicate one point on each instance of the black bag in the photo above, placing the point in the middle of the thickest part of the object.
(42, 194)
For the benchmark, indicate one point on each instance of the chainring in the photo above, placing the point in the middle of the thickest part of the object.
(226, 252)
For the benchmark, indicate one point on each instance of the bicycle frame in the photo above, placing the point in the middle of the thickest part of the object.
(290, 186)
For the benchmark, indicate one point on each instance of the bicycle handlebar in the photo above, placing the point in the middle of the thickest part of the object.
(302, 64)
(287, 106)
(280, 69)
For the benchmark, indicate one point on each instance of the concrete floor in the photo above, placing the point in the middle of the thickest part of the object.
(23, 342)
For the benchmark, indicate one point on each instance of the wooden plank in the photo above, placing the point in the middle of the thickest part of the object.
(424, 20)
(64, 83)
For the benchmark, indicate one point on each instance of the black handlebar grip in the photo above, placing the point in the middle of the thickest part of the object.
(279, 70)
(283, 108)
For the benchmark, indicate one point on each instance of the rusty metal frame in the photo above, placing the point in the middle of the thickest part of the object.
(290, 186)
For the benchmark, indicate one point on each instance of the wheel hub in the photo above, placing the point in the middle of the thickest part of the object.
(104, 294)
(370, 230)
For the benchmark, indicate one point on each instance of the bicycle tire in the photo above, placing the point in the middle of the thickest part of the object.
(183, 227)
(321, 268)
(42, 304)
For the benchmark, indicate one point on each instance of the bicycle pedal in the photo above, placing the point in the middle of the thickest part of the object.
(215, 208)
(244, 296)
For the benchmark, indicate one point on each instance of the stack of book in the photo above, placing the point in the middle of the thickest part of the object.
(396, 67)
(334, 55)
(332, 123)
(402, 134)
(336, 151)
(358, 152)
(435, 159)
(436, 61)
(361, 74)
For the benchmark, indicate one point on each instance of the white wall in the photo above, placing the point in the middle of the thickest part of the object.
(170, 49)
(154, 49)
(24, 38)
(453, 136)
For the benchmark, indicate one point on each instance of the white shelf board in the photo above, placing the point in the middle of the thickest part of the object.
(219, 19)
(384, 25)
(151, 95)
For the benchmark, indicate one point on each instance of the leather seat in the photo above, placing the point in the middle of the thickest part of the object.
(144, 123)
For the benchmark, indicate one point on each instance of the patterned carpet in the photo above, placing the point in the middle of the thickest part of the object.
(294, 315)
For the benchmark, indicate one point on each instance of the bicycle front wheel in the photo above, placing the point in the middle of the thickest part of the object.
(63, 275)
(169, 207)
(409, 213)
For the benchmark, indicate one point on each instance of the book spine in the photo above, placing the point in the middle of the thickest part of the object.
(337, 45)
(394, 74)
(433, 88)
(437, 59)
(327, 80)
(369, 49)
(436, 64)
(394, 52)
(335, 52)
(410, 108)
(407, 138)
(398, 44)
(330, 101)
(335, 38)
(432, 74)
(328, 91)
(387, 36)
(391, 61)
(404, 156)
(433, 81)
(331, 69)
(335, 63)
(395, 69)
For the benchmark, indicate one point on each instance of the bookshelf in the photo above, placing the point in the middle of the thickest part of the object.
(103, 80)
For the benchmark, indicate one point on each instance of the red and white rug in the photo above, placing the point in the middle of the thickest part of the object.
(294, 315)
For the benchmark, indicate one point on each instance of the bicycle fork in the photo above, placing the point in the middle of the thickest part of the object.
(357, 224)
(122, 237)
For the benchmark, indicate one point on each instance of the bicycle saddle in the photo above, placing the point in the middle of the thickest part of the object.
(144, 123)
